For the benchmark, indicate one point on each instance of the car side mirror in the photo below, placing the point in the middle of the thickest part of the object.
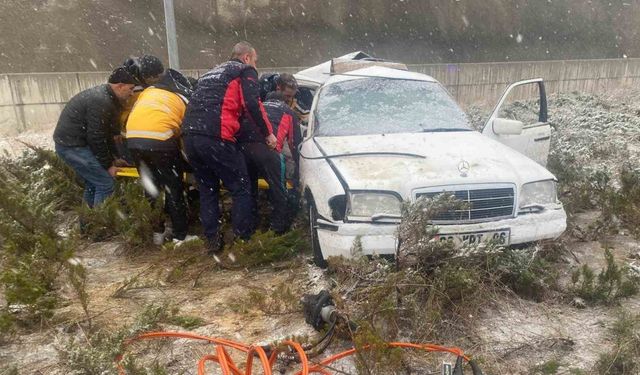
(503, 126)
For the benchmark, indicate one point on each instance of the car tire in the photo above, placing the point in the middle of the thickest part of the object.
(318, 258)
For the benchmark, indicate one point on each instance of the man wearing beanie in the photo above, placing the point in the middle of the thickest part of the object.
(147, 71)
(83, 137)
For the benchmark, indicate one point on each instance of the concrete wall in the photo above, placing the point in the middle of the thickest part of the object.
(33, 101)
(483, 83)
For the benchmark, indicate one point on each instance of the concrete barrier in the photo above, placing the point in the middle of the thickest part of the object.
(33, 101)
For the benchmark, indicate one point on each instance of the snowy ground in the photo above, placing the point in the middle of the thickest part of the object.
(15, 146)
(603, 133)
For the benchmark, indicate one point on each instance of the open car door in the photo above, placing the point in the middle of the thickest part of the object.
(520, 125)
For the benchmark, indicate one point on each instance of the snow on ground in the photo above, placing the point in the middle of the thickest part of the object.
(602, 132)
(15, 146)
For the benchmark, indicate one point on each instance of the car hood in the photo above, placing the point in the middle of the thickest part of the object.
(489, 161)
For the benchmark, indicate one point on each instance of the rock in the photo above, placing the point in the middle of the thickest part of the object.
(579, 303)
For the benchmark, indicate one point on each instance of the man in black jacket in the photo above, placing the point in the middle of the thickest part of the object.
(83, 135)
(209, 130)
(270, 163)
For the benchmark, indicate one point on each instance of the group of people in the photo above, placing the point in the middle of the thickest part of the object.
(226, 127)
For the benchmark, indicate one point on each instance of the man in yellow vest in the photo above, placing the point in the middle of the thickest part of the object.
(147, 70)
(153, 134)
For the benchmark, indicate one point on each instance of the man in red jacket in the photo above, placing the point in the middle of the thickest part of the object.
(270, 163)
(209, 130)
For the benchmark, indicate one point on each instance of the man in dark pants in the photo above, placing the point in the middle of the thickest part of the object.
(268, 163)
(153, 137)
(83, 135)
(209, 129)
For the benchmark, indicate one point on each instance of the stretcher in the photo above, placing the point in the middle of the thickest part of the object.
(132, 172)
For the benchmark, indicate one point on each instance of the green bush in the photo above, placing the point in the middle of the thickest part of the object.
(127, 214)
(33, 253)
(265, 248)
(624, 358)
(547, 368)
(10, 370)
(378, 357)
(96, 353)
(611, 284)
(625, 202)
(525, 271)
(437, 289)
(416, 233)
(573, 182)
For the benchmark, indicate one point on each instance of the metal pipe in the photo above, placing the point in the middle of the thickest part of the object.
(172, 40)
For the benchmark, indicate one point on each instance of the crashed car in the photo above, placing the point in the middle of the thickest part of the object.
(379, 135)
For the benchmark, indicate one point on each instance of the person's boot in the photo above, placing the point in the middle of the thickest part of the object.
(179, 242)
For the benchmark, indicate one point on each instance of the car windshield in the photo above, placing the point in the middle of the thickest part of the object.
(383, 106)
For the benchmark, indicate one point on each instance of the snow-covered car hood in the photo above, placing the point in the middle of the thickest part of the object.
(488, 161)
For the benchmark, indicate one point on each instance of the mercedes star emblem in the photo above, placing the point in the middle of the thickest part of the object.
(463, 168)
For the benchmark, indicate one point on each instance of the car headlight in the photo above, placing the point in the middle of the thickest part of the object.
(535, 194)
(374, 205)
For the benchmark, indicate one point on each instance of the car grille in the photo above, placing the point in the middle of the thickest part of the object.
(482, 204)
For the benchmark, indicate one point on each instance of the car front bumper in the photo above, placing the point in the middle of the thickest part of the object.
(338, 238)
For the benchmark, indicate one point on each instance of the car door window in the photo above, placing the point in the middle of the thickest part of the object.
(522, 104)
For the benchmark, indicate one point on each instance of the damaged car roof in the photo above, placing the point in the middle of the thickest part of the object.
(379, 72)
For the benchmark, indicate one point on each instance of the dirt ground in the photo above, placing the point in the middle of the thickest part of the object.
(514, 334)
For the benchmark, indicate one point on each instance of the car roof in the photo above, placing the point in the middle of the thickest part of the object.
(319, 73)
(379, 72)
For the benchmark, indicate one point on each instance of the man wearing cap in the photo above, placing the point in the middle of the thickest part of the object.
(83, 135)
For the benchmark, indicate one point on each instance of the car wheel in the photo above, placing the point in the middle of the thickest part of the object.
(318, 259)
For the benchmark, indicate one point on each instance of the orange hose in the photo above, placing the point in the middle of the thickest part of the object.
(266, 366)
(228, 367)
(187, 335)
(302, 354)
(426, 347)
(222, 359)
(232, 365)
(203, 360)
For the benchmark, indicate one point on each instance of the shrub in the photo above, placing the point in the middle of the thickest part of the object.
(547, 368)
(264, 248)
(625, 202)
(33, 253)
(127, 214)
(45, 177)
(416, 234)
(437, 289)
(96, 353)
(524, 271)
(611, 284)
(625, 355)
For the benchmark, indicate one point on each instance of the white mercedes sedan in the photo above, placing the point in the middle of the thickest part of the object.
(379, 136)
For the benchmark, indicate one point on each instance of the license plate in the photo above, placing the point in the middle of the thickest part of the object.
(500, 237)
